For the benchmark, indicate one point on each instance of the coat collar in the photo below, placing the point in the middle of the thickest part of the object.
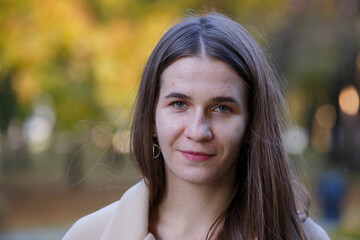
(130, 218)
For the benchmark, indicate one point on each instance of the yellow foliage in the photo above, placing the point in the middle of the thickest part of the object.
(26, 87)
(71, 42)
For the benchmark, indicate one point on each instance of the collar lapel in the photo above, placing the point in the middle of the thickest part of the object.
(130, 219)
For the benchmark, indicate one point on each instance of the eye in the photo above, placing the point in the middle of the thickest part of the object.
(179, 104)
(222, 109)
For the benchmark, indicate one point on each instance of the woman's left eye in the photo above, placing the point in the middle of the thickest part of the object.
(222, 109)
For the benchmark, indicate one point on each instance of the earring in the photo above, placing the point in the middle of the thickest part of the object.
(154, 151)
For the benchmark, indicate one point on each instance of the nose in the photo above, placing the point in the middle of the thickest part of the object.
(199, 127)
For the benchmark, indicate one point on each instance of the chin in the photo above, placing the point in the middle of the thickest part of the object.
(198, 177)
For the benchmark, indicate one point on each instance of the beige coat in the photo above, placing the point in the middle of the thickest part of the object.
(127, 219)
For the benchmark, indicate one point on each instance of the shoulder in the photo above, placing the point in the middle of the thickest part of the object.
(91, 226)
(130, 210)
(314, 231)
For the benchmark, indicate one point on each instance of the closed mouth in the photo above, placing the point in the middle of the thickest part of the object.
(197, 156)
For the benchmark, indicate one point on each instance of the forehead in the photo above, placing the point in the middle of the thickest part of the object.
(202, 74)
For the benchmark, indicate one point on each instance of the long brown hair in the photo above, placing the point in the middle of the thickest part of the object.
(266, 202)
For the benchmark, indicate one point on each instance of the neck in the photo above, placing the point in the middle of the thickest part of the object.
(188, 210)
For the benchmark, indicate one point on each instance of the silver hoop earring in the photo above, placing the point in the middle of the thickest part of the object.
(154, 151)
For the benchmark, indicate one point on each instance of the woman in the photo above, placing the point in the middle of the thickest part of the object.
(206, 136)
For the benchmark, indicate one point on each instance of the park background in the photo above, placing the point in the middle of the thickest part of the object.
(69, 70)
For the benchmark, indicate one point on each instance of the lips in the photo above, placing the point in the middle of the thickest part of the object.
(196, 156)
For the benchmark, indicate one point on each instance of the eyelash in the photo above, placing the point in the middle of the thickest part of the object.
(227, 109)
(175, 105)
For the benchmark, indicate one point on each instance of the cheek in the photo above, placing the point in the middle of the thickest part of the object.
(167, 128)
(232, 137)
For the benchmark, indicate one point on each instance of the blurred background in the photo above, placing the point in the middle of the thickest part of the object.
(69, 72)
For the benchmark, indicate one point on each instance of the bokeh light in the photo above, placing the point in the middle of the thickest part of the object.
(349, 100)
(296, 139)
(326, 116)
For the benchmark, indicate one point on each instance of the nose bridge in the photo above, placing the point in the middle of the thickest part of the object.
(199, 126)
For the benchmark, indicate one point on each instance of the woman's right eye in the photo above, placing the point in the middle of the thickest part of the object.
(179, 104)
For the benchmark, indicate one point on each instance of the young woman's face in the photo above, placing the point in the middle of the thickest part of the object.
(201, 117)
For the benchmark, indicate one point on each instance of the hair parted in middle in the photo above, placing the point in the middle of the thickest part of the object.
(267, 201)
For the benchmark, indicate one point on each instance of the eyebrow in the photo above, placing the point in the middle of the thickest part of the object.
(219, 99)
(178, 95)
(222, 99)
